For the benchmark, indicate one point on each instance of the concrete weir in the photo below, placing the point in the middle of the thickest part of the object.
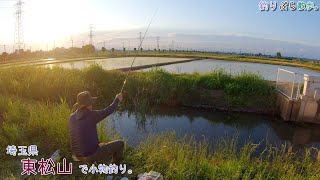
(295, 105)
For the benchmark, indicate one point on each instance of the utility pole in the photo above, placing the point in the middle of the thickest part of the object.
(72, 43)
(129, 46)
(91, 34)
(54, 48)
(104, 44)
(140, 40)
(18, 34)
(158, 40)
(172, 45)
(4, 48)
(82, 43)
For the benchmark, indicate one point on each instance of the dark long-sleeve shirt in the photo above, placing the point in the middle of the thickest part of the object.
(83, 129)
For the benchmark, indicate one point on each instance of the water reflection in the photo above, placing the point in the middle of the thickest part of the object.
(116, 63)
(297, 134)
(267, 71)
(214, 125)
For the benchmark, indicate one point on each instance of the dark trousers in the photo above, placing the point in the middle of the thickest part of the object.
(106, 152)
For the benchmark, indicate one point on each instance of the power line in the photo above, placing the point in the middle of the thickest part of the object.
(18, 35)
(4, 48)
(140, 38)
(71, 42)
(91, 34)
(129, 46)
(158, 42)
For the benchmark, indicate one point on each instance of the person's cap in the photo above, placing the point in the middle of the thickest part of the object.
(84, 99)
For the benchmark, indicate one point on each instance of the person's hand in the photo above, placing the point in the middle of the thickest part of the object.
(120, 96)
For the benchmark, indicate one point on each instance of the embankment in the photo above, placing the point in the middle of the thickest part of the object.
(219, 90)
(35, 104)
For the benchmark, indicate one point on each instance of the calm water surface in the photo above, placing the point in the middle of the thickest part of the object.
(116, 63)
(214, 126)
(267, 71)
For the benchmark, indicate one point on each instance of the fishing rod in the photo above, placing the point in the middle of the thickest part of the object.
(125, 81)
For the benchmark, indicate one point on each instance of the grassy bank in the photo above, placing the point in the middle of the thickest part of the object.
(45, 124)
(35, 104)
(143, 89)
(183, 159)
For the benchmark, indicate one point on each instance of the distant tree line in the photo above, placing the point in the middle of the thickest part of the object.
(89, 49)
(56, 52)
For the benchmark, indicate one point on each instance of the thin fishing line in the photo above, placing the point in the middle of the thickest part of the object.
(125, 81)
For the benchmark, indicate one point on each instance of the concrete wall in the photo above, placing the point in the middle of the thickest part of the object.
(307, 107)
(284, 104)
(309, 111)
(295, 110)
(310, 99)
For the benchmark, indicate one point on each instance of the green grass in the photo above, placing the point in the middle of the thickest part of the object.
(35, 104)
(45, 124)
(23, 121)
(143, 89)
(186, 159)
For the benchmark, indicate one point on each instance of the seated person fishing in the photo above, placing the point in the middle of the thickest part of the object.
(83, 131)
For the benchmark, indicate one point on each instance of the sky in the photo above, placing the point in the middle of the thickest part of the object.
(186, 24)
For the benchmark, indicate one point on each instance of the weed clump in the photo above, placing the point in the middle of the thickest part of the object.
(143, 89)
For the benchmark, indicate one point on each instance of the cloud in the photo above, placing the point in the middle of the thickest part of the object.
(231, 42)
(172, 35)
(251, 44)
